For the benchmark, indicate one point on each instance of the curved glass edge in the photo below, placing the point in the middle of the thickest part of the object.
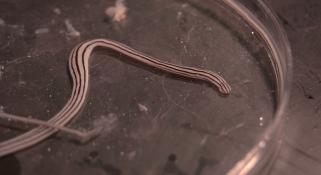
(260, 158)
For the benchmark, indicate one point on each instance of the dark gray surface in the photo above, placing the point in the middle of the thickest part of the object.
(128, 145)
(302, 150)
(189, 128)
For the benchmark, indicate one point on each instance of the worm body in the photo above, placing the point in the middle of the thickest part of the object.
(79, 70)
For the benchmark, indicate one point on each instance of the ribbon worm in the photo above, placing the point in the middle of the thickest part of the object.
(79, 70)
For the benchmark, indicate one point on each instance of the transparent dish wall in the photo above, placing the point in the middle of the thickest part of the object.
(261, 18)
(154, 123)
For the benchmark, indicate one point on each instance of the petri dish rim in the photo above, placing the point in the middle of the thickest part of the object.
(261, 157)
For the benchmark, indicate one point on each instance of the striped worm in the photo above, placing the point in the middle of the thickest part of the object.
(80, 136)
(79, 70)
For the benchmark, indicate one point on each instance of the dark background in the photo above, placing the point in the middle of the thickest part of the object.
(302, 23)
(301, 152)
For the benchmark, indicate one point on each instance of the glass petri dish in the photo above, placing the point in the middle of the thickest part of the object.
(154, 123)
